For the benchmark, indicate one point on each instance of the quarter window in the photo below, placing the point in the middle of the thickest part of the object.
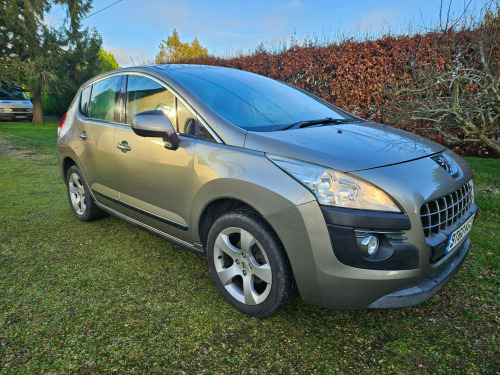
(186, 119)
(84, 100)
(205, 134)
(102, 102)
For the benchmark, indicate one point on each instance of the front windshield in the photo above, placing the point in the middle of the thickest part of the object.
(13, 95)
(251, 101)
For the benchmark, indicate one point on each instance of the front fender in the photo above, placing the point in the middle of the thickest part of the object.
(247, 176)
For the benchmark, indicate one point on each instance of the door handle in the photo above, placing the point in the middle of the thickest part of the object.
(83, 136)
(124, 147)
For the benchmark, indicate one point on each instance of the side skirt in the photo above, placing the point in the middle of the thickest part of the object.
(152, 230)
(136, 209)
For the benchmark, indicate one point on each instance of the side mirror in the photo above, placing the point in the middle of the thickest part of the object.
(155, 124)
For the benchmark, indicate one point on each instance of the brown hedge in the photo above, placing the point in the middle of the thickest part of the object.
(357, 76)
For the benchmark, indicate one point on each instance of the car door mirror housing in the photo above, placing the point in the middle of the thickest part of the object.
(155, 123)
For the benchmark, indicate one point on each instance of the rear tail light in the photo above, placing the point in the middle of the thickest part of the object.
(63, 120)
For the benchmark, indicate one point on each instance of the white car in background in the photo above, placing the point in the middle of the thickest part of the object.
(15, 105)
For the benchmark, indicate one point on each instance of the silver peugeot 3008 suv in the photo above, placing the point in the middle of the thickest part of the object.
(280, 190)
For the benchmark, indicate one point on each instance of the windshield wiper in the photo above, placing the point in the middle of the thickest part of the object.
(323, 121)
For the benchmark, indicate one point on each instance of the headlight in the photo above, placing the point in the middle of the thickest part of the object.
(7, 109)
(334, 188)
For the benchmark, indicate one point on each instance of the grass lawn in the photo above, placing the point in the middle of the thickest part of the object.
(40, 138)
(106, 297)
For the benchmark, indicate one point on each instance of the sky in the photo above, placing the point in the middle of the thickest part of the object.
(132, 29)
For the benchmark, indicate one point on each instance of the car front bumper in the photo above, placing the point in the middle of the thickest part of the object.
(324, 278)
(427, 288)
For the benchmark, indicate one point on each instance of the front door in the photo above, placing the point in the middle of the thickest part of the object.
(155, 184)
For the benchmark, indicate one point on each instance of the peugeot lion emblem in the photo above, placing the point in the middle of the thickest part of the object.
(447, 164)
(444, 163)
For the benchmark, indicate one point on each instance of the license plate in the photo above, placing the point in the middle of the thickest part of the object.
(459, 234)
(21, 116)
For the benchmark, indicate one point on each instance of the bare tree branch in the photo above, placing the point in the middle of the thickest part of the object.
(462, 95)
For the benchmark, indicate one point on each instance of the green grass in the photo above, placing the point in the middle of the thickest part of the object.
(106, 297)
(40, 138)
(487, 183)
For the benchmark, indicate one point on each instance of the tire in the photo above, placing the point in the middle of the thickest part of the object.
(80, 200)
(248, 264)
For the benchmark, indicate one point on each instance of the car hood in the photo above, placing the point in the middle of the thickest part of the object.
(345, 147)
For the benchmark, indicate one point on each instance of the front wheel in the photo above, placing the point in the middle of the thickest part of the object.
(248, 264)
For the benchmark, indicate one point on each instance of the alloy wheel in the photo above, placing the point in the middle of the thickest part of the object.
(242, 266)
(77, 193)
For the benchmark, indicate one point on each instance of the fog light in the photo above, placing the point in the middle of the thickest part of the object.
(369, 245)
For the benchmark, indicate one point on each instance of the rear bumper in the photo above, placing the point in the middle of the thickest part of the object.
(427, 287)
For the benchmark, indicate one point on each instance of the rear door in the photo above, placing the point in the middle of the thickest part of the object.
(98, 115)
(156, 184)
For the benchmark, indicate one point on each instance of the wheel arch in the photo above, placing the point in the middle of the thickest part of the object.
(214, 210)
(220, 206)
(66, 164)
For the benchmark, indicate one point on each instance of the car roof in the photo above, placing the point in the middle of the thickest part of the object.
(188, 67)
(164, 69)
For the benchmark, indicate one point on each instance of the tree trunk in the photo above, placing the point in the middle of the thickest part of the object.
(37, 107)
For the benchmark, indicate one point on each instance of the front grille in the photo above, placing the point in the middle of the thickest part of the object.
(20, 110)
(442, 212)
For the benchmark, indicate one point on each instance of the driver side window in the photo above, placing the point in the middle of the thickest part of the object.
(144, 94)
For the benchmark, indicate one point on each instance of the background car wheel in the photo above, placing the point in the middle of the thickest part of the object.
(80, 200)
(248, 264)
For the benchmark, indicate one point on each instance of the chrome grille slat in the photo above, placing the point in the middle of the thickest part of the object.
(440, 213)
(443, 212)
(436, 204)
(455, 196)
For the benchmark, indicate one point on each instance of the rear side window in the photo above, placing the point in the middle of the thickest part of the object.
(84, 100)
(144, 94)
(102, 102)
